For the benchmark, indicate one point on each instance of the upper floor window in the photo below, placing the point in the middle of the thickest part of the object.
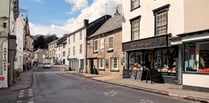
(135, 28)
(80, 35)
(63, 53)
(135, 4)
(69, 40)
(73, 37)
(110, 43)
(81, 48)
(95, 46)
(73, 50)
(69, 51)
(64, 45)
(161, 20)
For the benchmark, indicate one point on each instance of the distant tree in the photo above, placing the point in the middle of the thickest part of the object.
(42, 41)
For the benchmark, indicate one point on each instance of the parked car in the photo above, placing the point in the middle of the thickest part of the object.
(46, 65)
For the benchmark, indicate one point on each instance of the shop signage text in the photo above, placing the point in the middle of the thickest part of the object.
(153, 42)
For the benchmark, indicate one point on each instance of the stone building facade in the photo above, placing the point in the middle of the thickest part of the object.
(104, 50)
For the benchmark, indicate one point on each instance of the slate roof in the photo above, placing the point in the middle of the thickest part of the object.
(95, 25)
(62, 39)
(111, 24)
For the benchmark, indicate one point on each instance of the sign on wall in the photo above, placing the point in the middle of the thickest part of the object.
(4, 65)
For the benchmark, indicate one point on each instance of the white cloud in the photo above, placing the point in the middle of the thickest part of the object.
(45, 30)
(77, 4)
(94, 11)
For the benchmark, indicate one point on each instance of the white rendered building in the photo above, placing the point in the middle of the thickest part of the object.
(169, 36)
(19, 30)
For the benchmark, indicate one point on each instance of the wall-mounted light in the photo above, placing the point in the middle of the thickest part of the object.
(4, 18)
(4, 25)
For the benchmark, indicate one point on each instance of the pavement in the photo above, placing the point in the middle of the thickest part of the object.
(24, 82)
(172, 90)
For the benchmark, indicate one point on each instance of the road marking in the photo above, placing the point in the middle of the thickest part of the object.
(30, 92)
(21, 94)
(146, 101)
(30, 100)
(111, 93)
(19, 101)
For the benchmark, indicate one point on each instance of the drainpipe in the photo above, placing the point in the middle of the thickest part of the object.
(86, 23)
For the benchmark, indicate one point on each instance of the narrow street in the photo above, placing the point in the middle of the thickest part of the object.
(55, 86)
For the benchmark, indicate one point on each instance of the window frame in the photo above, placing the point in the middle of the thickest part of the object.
(157, 13)
(95, 49)
(73, 37)
(110, 48)
(81, 35)
(68, 51)
(132, 4)
(101, 63)
(69, 40)
(64, 45)
(112, 62)
(73, 50)
(63, 53)
(131, 22)
(81, 48)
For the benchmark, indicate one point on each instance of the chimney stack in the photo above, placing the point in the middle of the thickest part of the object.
(86, 22)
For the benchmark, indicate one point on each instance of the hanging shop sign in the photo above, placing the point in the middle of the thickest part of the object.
(148, 43)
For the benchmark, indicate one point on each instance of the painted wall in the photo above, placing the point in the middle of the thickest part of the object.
(4, 12)
(200, 80)
(76, 44)
(19, 26)
(175, 17)
(196, 15)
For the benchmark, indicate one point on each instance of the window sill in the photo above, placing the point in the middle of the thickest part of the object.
(114, 70)
(95, 51)
(132, 9)
(110, 50)
(101, 69)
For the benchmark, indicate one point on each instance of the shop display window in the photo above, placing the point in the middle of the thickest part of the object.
(203, 57)
(135, 61)
(165, 61)
(190, 57)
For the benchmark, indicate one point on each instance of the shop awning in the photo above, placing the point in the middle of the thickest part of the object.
(71, 59)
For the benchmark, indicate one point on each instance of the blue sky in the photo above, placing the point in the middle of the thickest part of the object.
(48, 12)
(64, 16)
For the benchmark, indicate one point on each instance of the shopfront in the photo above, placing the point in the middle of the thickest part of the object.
(153, 53)
(195, 60)
(73, 64)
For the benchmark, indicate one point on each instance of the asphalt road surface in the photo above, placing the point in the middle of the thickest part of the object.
(55, 86)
